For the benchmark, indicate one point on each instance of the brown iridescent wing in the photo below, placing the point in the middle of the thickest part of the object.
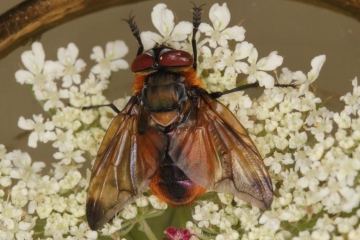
(124, 166)
(216, 152)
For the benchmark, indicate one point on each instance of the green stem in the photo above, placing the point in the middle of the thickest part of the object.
(147, 230)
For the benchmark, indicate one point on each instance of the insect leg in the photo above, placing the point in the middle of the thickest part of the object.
(135, 31)
(113, 107)
(247, 86)
(196, 22)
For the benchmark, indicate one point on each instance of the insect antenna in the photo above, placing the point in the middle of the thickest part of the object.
(135, 31)
(196, 22)
(247, 86)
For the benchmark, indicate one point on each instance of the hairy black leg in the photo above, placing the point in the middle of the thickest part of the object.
(111, 105)
(247, 86)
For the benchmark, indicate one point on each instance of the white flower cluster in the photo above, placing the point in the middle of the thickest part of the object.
(312, 153)
(56, 202)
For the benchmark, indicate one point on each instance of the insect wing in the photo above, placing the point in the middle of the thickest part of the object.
(215, 151)
(125, 165)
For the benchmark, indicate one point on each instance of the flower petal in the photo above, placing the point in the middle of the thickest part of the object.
(181, 31)
(270, 62)
(163, 19)
(265, 79)
(33, 139)
(117, 49)
(243, 50)
(118, 64)
(23, 76)
(34, 60)
(67, 56)
(26, 124)
(149, 39)
(240, 66)
(97, 54)
(316, 65)
(219, 16)
(206, 28)
(253, 56)
(300, 76)
(39, 54)
(236, 32)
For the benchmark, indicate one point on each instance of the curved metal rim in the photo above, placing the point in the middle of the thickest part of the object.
(33, 17)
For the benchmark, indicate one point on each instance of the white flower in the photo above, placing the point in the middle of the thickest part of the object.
(10, 216)
(52, 97)
(207, 214)
(236, 101)
(34, 61)
(111, 60)
(67, 118)
(345, 225)
(275, 162)
(77, 210)
(297, 140)
(85, 141)
(323, 228)
(229, 234)
(142, 201)
(209, 59)
(321, 127)
(5, 168)
(78, 99)
(63, 139)
(58, 223)
(129, 212)
(163, 20)
(225, 198)
(256, 69)
(286, 76)
(45, 208)
(39, 73)
(92, 85)
(82, 232)
(19, 194)
(112, 227)
(88, 116)
(352, 100)
(70, 180)
(156, 203)
(230, 60)
(316, 64)
(348, 169)
(72, 66)
(41, 131)
(343, 119)
(218, 33)
(69, 154)
(24, 168)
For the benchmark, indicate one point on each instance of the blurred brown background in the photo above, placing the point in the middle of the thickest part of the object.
(296, 30)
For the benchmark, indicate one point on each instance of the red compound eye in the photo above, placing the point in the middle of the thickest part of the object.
(176, 58)
(142, 62)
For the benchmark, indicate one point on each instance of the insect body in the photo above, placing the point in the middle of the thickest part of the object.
(175, 138)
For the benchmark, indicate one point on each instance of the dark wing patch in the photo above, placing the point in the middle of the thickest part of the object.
(215, 151)
(124, 166)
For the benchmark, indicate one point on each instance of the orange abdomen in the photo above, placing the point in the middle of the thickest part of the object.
(172, 186)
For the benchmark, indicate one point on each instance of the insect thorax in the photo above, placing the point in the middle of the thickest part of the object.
(163, 91)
